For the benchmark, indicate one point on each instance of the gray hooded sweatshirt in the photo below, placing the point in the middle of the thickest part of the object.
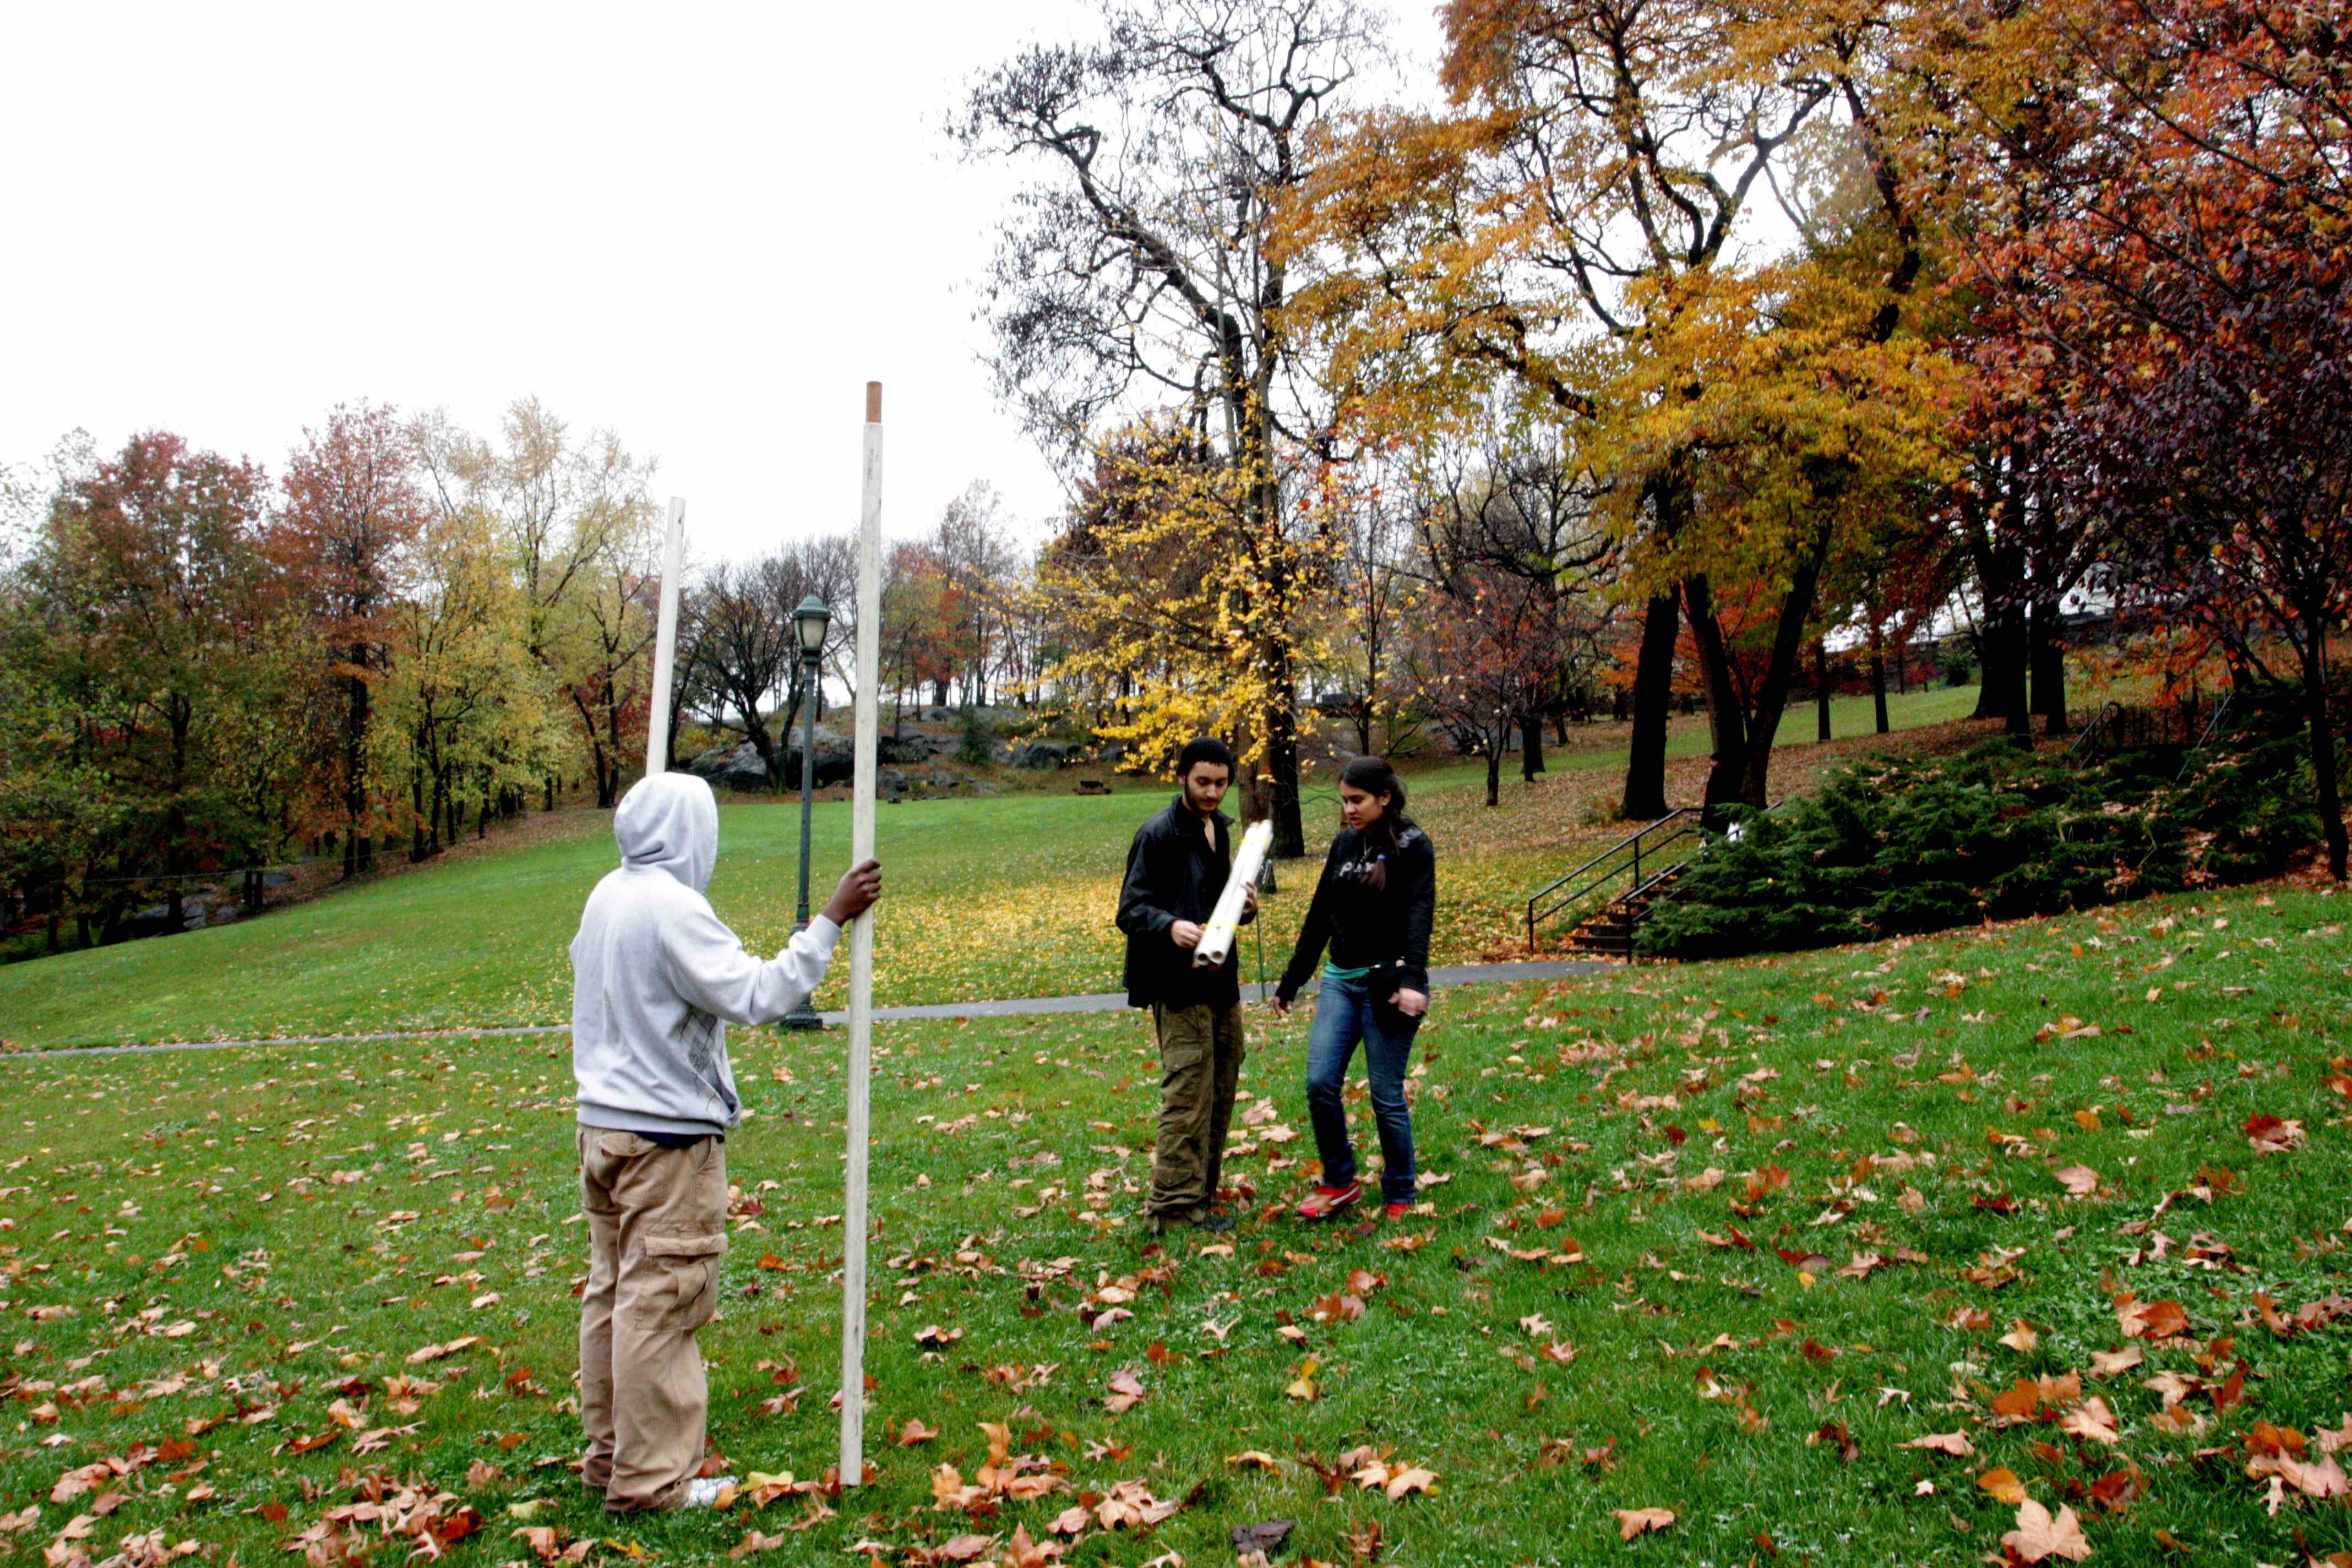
(655, 972)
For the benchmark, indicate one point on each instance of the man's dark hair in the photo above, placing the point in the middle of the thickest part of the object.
(1207, 749)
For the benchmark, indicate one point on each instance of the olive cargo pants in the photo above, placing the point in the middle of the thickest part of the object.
(1199, 1066)
(657, 1225)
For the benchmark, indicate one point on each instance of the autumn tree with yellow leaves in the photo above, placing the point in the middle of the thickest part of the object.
(1576, 231)
(1163, 595)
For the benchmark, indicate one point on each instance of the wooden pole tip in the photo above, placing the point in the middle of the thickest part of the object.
(874, 403)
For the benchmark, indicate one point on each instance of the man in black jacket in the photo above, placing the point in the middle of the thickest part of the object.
(1176, 866)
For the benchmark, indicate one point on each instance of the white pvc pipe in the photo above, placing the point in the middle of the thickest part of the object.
(861, 951)
(1225, 919)
(666, 641)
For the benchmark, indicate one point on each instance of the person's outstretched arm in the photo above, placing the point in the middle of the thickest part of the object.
(706, 963)
(1312, 937)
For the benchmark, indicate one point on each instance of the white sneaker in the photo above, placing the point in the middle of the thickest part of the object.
(710, 1491)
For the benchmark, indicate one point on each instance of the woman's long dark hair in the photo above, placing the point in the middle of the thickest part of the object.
(1376, 778)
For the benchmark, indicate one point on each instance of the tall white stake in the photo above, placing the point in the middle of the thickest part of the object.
(666, 641)
(861, 951)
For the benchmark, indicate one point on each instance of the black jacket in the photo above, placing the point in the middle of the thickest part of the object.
(1386, 931)
(1174, 873)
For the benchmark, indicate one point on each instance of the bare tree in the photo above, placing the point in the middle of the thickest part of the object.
(744, 648)
(1512, 506)
(1137, 274)
(1375, 584)
(976, 554)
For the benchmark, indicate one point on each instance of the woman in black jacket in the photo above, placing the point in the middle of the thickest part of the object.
(1373, 907)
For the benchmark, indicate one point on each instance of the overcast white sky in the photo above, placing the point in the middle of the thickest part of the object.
(704, 227)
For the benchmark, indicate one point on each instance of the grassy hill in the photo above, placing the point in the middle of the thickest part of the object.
(1832, 1257)
(1004, 897)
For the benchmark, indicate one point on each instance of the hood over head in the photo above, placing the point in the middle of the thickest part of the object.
(669, 822)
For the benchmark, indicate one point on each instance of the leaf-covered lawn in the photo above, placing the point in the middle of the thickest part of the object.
(989, 898)
(1884, 1254)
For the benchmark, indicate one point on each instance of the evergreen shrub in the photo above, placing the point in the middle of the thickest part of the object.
(1906, 844)
(977, 746)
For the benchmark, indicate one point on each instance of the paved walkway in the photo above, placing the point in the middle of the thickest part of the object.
(1010, 1008)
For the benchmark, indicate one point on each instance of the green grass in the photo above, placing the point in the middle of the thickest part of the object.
(1009, 896)
(1855, 715)
(188, 1238)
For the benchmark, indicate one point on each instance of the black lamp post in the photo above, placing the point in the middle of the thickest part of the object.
(811, 621)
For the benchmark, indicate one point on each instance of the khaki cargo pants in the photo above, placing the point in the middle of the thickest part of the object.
(656, 1224)
(1199, 1066)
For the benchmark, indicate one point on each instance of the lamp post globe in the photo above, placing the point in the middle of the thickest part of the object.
(810, 620)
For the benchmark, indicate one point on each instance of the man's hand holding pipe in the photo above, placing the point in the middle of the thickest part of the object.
(860, 888)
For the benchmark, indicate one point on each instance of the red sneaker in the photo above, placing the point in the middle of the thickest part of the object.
(1325, 1201)
(1395, 1212)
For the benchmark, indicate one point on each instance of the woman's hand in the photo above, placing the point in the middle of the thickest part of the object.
(1412, 1004)
(1281, 1006)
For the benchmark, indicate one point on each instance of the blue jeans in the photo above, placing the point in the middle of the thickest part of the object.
(1345, 1012)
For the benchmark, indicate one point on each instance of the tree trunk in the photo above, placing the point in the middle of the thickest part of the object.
(1653, 685)
(1531, 743)
(788, 724)
(175, 856)
(611, 787)
(1494, 768)
(1726, 716)
(1780, 675)
(1282, 754)
(1821, 688)
(1878, 677)
(2323, 754)
(2049, 667)
(416, 850)
(756, 731)
(2000, 653)
(359, 848)
(598, 769)
(1743, 740)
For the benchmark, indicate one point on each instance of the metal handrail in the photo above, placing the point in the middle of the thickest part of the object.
(2088, 737)
(2205, 736)
(1633, 838)
(1637, 899)
(2213, 725)
(1690, 823)
(1657, 879)
(2093, 739)
(1598, 871)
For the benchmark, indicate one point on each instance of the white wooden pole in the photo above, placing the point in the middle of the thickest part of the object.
(861, 951)
(666, 641)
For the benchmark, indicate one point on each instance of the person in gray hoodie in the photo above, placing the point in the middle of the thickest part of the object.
(656, 978)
